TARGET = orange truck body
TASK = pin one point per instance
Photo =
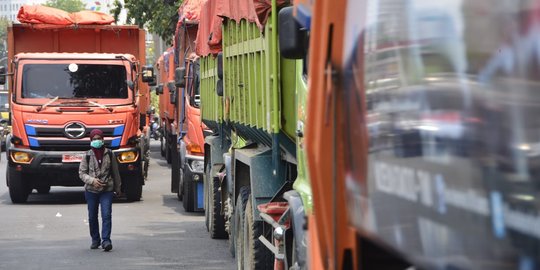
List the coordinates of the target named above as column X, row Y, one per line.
column 188, row 148
column 382, row 198
column 167, row 110
column 53, row 132
column 332, row 241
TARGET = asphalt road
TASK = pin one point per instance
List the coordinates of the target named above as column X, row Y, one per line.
column 51, row 231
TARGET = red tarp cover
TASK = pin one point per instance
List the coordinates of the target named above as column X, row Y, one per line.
column 190, row 10
column 91, row 17
column 209, row 34
column 36, row 14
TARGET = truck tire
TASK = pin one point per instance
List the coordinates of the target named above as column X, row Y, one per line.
column 180, row 191
column 207, row 176
column 18, row 187
column 175, row 174
column 161, row 146
column 256, row 254
column 133, row 187
column 168, row 149
column 43, row 190
column 239, row 216
column 215, row 218
column 188, row 200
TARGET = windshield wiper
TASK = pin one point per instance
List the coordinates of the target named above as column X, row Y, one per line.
column 47, row 104
column 100, row 105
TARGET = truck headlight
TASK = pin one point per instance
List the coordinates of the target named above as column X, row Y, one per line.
column 197, row 166
column 128, row 156
column 21, row 157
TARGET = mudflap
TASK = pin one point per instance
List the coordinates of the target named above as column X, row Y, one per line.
column 199, row 196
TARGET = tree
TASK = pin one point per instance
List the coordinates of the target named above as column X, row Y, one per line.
column 158, row 17
column 4, row 23
column 67, row 5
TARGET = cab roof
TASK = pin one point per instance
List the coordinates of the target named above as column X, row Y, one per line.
column 82, row 56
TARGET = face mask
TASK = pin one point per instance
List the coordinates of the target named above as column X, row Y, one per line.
column 96, row 143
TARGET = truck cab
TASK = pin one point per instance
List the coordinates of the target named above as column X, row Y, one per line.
column 59, row 94
column 56, row 102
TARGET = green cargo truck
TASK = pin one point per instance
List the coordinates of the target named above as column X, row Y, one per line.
column 253, row 100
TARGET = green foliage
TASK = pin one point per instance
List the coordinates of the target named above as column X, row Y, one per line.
column 67, row 5
column 158, row 17
column 116, row 10
column 154, row 101
column 4, row 23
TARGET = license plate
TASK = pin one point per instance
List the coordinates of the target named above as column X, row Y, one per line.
column 68, row 158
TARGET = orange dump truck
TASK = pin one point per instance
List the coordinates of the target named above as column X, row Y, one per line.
column 188, row 154
column 65, row 81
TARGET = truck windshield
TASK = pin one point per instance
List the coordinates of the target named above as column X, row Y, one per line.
column 74, row 81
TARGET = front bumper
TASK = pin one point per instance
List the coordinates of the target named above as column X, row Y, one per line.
column 195, row 173
column 53, row 159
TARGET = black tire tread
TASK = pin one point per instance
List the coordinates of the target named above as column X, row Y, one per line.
column 216, row 219
column 161, row 146
column 239, row 210
column 257, row 256
column 18, row 190
column 133, row 188
column 187, row 202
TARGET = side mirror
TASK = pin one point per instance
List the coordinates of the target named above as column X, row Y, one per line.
column 180, row 77
column 159, row 89
column 172, row 92
column 152, row 83
column 219, row 87
column 2, row 75
column 220, row 65
column 148, row 74
column 197, row 100
column 293, row 40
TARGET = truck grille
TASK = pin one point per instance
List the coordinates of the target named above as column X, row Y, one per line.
column 59, row 131
column 68, row 145
column 55, row 138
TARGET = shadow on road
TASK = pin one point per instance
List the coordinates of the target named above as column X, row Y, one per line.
column 158, row 245
column 155, row 155
column 172, row 202
column 65, row 196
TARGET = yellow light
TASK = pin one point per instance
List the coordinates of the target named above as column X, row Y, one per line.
column 194, row 148
column 129, row 156
column 21, row 157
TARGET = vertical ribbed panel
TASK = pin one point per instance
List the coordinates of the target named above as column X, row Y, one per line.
column 248, row 84
column 211, row 103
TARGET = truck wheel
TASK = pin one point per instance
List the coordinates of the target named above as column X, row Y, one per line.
column 215, row 218
column 256, row 255
column 180, row 190
column 161, row 146
column 232, row 220
column 188, row 200
column 133, row 187
column 206, row 198
column 43, row 190
column 239, row 215
column 175, row 174
column 168, row 150
column 18, row 188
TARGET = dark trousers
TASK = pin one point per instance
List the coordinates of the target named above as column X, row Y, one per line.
column 94, row 200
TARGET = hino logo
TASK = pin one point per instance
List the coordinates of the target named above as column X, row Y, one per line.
column 75, row 130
